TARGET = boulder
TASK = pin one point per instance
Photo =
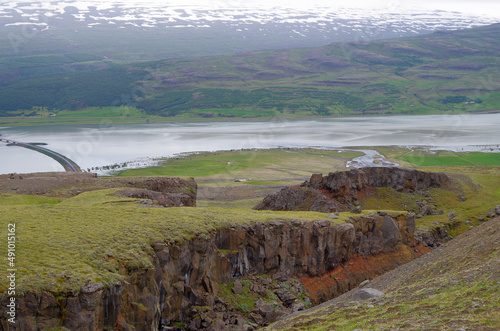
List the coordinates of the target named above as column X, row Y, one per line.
column 364, row 283
column 427, row 210
column 286, row 297
column 297, row 306
column 237, row 287
column 274, row 315
column 367, row 293
column 264, row 309
column 218, row 325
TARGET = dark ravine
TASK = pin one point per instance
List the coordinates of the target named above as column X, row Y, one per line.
column 190, row 273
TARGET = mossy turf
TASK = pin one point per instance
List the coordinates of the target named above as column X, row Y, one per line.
column 18, row 199
column 89, row 238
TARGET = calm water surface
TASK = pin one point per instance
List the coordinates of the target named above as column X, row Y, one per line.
column 94, row 145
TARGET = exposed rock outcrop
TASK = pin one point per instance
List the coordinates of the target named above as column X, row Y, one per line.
column 164, row 191
column 298, row 198
column 343, row 190
column 189, row 274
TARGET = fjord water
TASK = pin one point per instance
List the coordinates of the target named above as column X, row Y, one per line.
column 99, row 145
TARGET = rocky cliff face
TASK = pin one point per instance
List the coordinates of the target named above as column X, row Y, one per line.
column 340, row 191
column 189, row 274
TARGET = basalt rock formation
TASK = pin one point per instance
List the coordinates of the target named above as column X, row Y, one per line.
column 329, row 257
column 342, row 190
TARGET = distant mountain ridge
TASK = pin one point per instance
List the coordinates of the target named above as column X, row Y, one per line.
column 152, row 30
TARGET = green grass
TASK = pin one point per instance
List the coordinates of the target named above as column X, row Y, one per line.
column 60, row 247
column 259, row 165
column 421, row 160
column 237, row 204
column 96, row 198
column 486, row 159
column 104, row 112
column 244, row 301
column 91, row 115
column 447, row 158
column 19, row 199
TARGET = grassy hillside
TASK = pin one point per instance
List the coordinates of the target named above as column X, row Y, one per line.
column 441, row 72
column 446, row 71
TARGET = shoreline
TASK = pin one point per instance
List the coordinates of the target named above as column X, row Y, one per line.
column 109, row 122
column 148, row 162
column 367, row 160
column 430, row 132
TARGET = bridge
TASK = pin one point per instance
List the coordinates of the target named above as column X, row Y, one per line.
column 67, row 164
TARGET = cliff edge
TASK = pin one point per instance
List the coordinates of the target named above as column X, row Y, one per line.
column 343, row 190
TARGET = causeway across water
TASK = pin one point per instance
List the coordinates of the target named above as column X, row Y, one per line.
column 67, row 164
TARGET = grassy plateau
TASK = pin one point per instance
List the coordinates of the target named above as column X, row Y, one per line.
column 62, row 244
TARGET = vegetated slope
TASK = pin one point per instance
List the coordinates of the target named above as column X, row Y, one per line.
column 95, row 87
column 455, row 287
column 443, row 71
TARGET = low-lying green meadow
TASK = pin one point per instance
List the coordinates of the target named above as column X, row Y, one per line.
column 423, row 158
column 258, row 165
